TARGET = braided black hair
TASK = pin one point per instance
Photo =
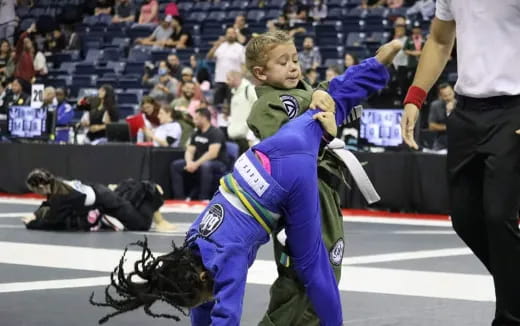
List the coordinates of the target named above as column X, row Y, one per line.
column 173, row 278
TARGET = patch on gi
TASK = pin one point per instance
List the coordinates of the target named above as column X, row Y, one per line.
column 290, row 105
column 212, row 220
column 336, row 253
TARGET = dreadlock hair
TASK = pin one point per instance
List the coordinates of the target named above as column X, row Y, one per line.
column 173, row 278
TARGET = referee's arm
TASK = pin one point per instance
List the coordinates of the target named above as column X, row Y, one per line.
column 433, row 60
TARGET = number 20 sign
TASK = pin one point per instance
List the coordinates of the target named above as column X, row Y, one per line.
column 37, row 96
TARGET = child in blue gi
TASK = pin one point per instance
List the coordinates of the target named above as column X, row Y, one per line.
column 277, row 177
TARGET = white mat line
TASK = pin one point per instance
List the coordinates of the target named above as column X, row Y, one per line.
column 11, row 215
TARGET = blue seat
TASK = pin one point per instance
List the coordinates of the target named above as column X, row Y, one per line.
column 136, row 68
column 93, row 55
column 126, row 83
column 85, row 69
column 112, row 54
column 185, row 6
column 160, row 55
column 126, row 110
column 139, row 55
column 110, row 81
column 357, row 13
column 255, row 15
column 127, row 98
column 137, row 31
column 117, row 66
column 202, row 6
column 238, row 5
column 355, row 39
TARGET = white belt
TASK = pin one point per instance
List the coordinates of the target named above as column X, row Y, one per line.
column 356, row 170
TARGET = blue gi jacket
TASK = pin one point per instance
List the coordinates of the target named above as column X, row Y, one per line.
column 290, row 190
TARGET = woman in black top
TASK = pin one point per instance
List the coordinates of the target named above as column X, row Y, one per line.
column 131, row 205
column 5, row 55
column 102, row 110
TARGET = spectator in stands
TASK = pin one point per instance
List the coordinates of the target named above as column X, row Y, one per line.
column 413, row 47
column 5, row 55
column 302, row 16
column 180, row 37
column 16, row 95
column 3, row 93
column 350, row 60
column 104, row 7
column 49, row 98
column 55, row 41
column 440, row 109
column 205, row 155
column 332, row 71
column 310, row 57
column 40, row 61
column 394, row 3
column 229, row 55
column 103, row 110
column 124, row 12
column 318, row 10
column 200, row 69
column 240, row 26
column 366, row 4
column 150, row 109
column 425, row 7
column 186, row 101
column 187, row 76
column 24, row 58
column 160, row 36
column 311, row 77
column 291, row 8
column 400, row 63
column 168, row 133
column 242, row 100
column 64, row 112
column 171, row 9
column 8, row 19
column 175, row 67
column 282, row 24
column 164, row 86
column 149, row 12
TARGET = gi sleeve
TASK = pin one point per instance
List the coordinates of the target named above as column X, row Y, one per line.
column 201, row 315
column 229, row 288
column 306, row 246
column 356, row 84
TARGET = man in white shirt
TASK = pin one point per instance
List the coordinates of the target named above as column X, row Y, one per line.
column 244, row 96
column 483, row 149
column 229, row 55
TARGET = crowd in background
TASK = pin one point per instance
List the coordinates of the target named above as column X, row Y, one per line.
column 179, row 95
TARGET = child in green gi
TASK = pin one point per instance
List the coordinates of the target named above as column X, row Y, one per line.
column 280, row 99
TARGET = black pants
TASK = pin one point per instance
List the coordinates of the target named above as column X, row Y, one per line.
column 111, row 204
column 207, row 172
column 484, row 179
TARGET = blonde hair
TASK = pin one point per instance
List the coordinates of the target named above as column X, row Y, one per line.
column 257, row 49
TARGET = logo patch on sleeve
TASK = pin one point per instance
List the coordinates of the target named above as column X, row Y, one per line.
column 212, row 220
column 290, row 105
column 336, row 253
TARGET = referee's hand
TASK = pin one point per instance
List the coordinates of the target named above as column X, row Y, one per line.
column 408, row 121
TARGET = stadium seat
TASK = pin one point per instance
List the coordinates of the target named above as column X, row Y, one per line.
column 255, row 15
column 139, row 55
column 85, row 69
column 126, row 110
column 160, row 55
column 127, row 83
column 110, row 81
column 201, row 6
column 136, row 68
column 127, row 98
column 93, row 55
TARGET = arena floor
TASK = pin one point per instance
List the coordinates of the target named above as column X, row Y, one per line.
column 395, row 272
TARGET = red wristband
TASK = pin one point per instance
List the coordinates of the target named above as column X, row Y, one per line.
column 415, row 95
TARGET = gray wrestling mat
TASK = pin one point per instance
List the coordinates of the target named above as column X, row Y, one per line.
column 393, row 274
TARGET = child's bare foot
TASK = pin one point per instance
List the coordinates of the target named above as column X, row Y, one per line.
column 387, row 52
